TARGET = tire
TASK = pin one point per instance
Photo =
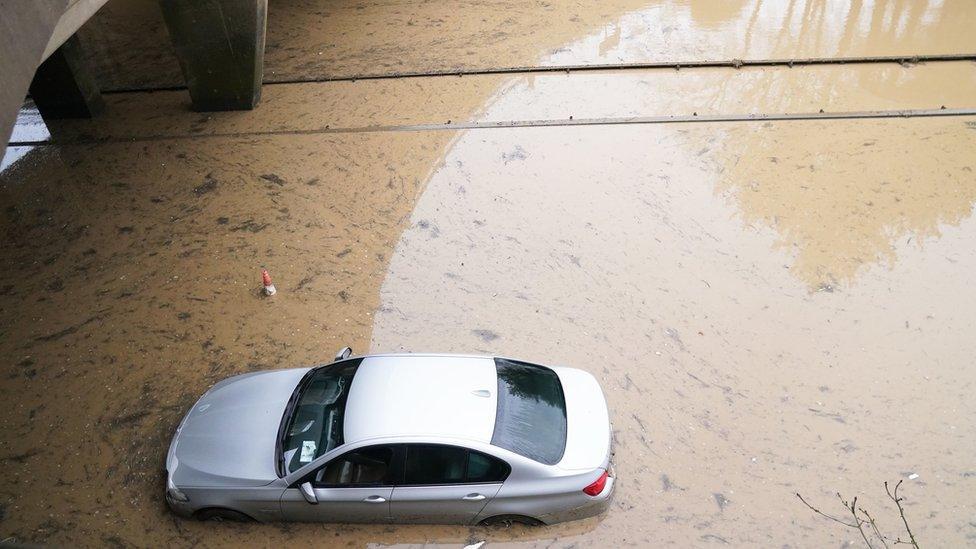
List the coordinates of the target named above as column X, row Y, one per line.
column 222, row 515
column 508, row 520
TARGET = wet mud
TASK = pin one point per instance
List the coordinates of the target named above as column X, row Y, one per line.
column 771, row 307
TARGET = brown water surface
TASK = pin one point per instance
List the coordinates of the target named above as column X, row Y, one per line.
column 132, row 284
column 771, row 307
column 766, row 315
column 314, row 39
column 489, row 99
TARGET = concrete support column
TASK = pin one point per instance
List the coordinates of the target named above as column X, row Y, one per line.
column 64, row 86
column 220, row 45
column 25, row 29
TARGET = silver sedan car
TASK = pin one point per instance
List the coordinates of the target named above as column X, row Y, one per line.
column 396, row 439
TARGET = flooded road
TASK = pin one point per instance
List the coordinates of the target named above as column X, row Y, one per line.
column 764, row 314
column 771, row 306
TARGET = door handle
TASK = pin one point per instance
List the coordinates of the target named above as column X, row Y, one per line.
column 474, row 497
column 375, row 499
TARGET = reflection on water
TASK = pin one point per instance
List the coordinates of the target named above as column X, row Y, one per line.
column 711, row 15
column 29, row 128
column 705, row 30
column 842, row 200
column 547, row 96
column 333, row 38
column 12, row 155
column 629, row 252
column 839, row 199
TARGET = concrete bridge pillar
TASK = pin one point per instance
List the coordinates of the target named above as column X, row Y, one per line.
column 220, row 46
column 64, row 86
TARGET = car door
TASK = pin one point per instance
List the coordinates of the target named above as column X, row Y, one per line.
column 444, row 484
column 354, row 487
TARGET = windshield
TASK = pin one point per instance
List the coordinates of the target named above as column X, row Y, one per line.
column 531, row 416
column 316, row 410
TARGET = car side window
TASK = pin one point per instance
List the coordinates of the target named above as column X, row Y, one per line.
column 439, row 464
column 363, row 467
column 434, row 465
column 483, row 468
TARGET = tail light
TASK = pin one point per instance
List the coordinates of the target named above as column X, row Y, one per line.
column 596, row 488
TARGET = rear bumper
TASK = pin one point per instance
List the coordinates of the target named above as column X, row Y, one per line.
column 596, row 505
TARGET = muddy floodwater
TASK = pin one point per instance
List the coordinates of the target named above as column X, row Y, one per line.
column 772, row 306
column 314, row 39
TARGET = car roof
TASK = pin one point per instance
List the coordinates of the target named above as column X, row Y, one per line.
column 444, row 396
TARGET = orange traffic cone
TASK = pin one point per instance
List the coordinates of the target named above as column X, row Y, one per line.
column 269, row 288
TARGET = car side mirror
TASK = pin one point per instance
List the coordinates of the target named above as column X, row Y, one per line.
column 343, row 354
column 308, row 492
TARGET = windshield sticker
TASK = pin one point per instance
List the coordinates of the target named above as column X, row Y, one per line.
column 308, row 451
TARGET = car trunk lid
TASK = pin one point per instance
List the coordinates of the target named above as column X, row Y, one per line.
column 588, row 421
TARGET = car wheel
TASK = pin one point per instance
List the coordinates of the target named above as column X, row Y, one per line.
column 223, row 515
column 508, row 520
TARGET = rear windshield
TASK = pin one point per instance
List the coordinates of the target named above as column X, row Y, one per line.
column 314, row 425
column 531, row 415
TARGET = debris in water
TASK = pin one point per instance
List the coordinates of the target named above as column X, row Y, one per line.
column 721, row 501
column 273, row 178
column 209, row 185
column 485, row 335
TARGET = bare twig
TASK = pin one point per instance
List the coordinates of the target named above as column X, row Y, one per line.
column 874, row 527
column 857, row 520
column 825, row 515
column 860, row 521
column 901, row 510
